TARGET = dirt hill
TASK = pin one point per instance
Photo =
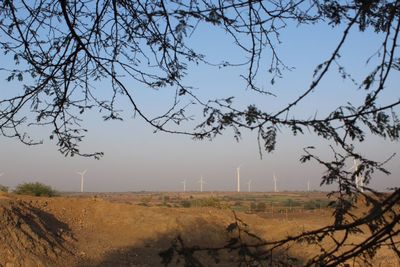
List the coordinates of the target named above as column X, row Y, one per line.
column 31, row 237
column 67, row 231
column 92, row 231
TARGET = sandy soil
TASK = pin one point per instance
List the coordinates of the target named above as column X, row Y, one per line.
column 92, row 231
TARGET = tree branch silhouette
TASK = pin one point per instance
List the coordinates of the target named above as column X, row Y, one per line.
column 62, row 50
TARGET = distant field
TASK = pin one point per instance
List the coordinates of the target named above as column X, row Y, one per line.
column 257, row 202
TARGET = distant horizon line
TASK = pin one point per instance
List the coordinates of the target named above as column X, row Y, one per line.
column 197, row 191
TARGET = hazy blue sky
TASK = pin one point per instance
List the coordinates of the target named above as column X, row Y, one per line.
column 136, row 159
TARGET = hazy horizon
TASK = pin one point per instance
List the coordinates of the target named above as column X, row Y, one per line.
column 136, row 159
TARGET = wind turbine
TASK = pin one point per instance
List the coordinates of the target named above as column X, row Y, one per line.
column 201, row 181
column 275, row 188
column 82, row 174
column 238, row 178
column 249, row 185
column 308, row 186
column 358, row 179
column 184, row 185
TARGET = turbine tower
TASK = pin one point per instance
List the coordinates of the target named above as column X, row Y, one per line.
column 238, row 178
column 184, row 185
column 308, row 186
column 249, row 185
column 275, row 188
column 359, row 181
column 201, row 181
column 82, row 174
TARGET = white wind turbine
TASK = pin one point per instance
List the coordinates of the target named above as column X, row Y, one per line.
column 359, row 181
column 201, row 181
column 249, row 185
column 275, row 188
column 238, row 177
column 184, row 185
column 308, row 186
column 82, row 174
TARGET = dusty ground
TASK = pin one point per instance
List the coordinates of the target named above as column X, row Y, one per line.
column 95, row 231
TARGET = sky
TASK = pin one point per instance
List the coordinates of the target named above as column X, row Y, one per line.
column 137, row 159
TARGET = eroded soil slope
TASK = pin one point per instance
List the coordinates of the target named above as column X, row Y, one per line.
column 91, row 231
column 31, row 237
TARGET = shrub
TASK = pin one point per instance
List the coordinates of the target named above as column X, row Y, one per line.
column 237, row 203
column 310, row 205
column 35, row 189
column 261, row 206
column 145, row 200
column 253, row 206
column 165, row 200
column 241, row 208
column 291, row 203
column 186, row 203
column 3, row 188
column 317, row 203
column 207, row 202
column 323, row 203
column 258, row 207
